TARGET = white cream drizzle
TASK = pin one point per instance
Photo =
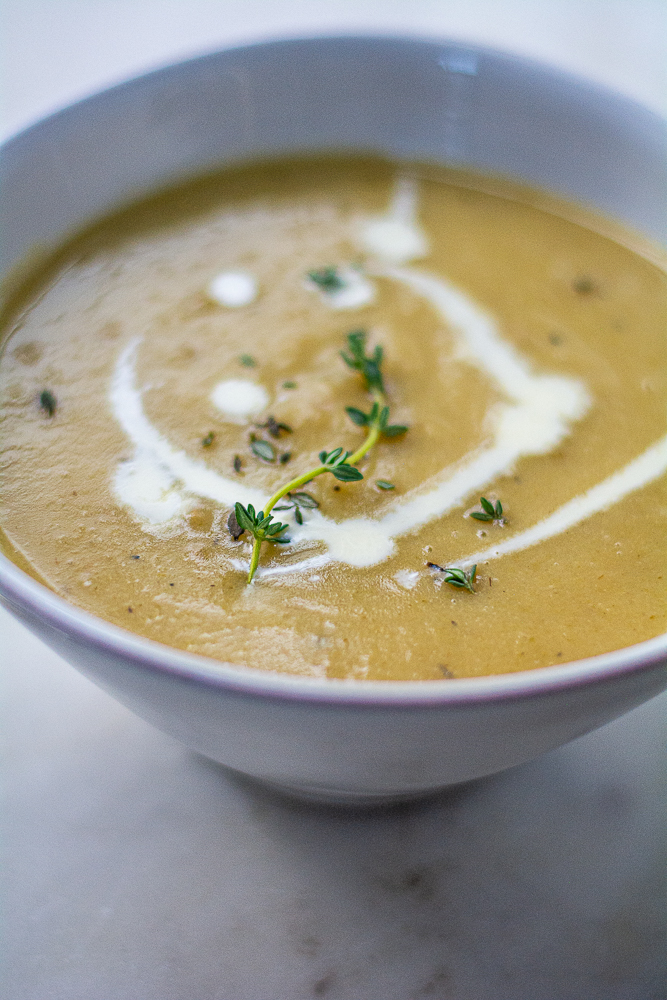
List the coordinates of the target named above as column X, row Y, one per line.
column 239, row 398
column 536, row 414
column 407, row 578
column 640, row 472
column 233, row 289
column 162, row 467
column 396, row 236
column 149, row 489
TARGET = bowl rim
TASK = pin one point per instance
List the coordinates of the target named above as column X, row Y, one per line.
column 373, row 37
column 29, row 598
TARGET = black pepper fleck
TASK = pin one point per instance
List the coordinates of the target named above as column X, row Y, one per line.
column 233, row 526
column 584, row 285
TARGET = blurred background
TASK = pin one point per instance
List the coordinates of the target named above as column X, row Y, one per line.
column 55, row 51
column 137, row 871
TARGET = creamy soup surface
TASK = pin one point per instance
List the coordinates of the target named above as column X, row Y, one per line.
column 185, row 355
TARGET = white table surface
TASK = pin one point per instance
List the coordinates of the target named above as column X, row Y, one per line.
column 136, row 870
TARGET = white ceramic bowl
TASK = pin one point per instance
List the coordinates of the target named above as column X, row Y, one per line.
column 435, row 101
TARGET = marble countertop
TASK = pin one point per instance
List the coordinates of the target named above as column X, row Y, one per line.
column 136, row 870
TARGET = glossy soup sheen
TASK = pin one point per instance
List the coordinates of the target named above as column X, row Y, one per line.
column 524, row 350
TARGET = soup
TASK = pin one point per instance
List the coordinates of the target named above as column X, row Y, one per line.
column 185, row 357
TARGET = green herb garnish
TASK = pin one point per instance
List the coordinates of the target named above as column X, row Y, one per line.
column 47, row 402
column 296, row 501
column 275, row 428
column 370, row 368
column 263, row 449
column 300, row 499
column 289, row 385
column 248, row 361
column 238, row 464
column 382, row 484
column 456, row 576
column 262, row 527
column 368, row 365
column 207, row 441
column 341, row 464
column 327, row 279
column 489, row 512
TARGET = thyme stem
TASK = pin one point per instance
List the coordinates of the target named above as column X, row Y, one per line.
column 254, row 559
column 374, row 433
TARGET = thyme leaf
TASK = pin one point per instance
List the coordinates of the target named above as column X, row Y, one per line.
column 263, row 450
column 327, row 279
column 297, row 500
column 347, row 473
column 489, row 512
column 357, row 417
column 48, row 402
column 394, row 430
column 275, row 427
column 303, row 499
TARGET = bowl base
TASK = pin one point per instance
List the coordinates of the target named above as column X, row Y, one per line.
column 345, row 798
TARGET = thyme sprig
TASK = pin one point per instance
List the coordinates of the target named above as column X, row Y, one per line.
column 340, row 463
column 260, row 525
column 457, row 577
column 327, row 279
column 370, row 368
column 368, row 365
column 489, row 511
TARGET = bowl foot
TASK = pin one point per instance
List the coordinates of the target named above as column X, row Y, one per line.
column 345, row 798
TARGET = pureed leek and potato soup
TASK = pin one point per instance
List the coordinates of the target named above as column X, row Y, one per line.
column 185, row 357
